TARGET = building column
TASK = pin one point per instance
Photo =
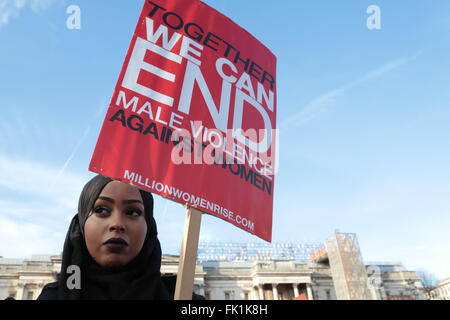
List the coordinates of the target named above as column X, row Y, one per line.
column 201, row 290
column 295, row 286
column 309, row 291
column 40, row 286
column 20, row 289
column 275, row 291
column 261, row 292
column 254, row 293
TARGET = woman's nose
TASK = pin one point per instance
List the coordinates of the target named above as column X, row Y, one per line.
column 117, row 224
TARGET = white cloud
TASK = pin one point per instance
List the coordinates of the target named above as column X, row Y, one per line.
column 321, row 103
column 11, row 8
column 34, row 217
column 28, row 177
column 21, row 240
column 38, row 5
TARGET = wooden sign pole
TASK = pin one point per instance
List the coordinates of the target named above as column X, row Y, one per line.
column 188, row 255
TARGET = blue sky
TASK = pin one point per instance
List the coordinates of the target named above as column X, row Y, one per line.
column 363, row 117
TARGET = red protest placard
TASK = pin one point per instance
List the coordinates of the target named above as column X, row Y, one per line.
column 193, row 115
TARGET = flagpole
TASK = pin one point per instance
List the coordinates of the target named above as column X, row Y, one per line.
column 188, row 255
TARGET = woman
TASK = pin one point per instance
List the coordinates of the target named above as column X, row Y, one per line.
column 111, row 250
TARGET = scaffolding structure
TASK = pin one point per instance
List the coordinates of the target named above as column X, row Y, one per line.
column 231, row 251
column 347, row 267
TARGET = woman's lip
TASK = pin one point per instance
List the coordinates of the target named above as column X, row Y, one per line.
column 115, row 247
column 116, row 244
column 116, row 241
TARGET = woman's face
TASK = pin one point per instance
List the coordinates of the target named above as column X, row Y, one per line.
column 115, row 229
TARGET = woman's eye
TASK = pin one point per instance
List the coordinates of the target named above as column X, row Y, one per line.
column 134, row 212
column 101, row 210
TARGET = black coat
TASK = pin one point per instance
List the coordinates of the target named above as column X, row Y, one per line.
column 50, row 290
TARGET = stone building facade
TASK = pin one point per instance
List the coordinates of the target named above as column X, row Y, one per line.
column 23, row 279
column 441, row 291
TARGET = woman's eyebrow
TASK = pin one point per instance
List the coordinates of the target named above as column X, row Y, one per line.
column 124, row 201
column 106, row 199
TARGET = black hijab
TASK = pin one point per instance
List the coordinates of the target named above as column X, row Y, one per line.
column 139, row 279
